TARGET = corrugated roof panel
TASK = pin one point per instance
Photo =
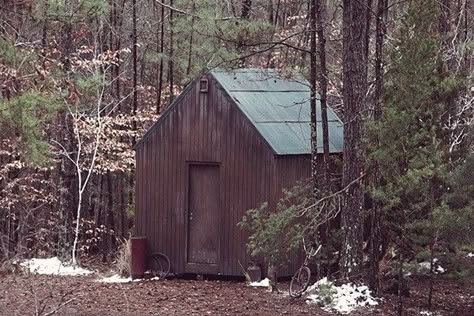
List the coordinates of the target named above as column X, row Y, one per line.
column 294, row 138
column 273, row 106
column 278, row 106
column 258, row 80
column 279, row 109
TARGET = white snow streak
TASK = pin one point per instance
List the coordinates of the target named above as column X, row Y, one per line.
column 116, row 278
column 53, row 266
column 264, row 283
column 428, row 313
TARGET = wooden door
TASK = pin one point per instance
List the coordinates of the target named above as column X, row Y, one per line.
column 203, row 215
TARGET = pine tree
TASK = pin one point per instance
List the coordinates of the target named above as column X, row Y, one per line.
column 408, row 143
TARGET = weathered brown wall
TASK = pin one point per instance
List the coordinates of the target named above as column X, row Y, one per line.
column 205, row 127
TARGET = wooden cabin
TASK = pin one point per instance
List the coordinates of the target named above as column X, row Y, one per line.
column 230, row 141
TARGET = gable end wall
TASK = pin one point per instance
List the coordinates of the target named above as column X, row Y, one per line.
column 202, row 127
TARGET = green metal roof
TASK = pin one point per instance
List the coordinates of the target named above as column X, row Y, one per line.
column 279, row 108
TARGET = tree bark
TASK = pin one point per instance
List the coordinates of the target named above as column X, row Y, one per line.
column 190, row 52
column 323, row 87
column 354, row 90
column 400, row 285
column 67, row 200
column 44, row 33
column 170, row 62
column 368, row 22
column 313, row 84
column 375, row 242
column 161, row 51
column 134, row 60
column 323, row 84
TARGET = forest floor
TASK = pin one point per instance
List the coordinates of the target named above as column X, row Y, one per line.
column 28, row 294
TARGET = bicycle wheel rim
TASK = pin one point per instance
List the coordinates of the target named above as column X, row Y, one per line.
column 155, row 266
column 162, row 262
column 300, row 282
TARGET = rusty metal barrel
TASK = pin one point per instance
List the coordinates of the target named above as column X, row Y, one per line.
column 139, row 250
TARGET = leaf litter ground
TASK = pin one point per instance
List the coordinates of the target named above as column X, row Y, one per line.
column 21, row 294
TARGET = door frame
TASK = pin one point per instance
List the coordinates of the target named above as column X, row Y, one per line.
column 201, row 268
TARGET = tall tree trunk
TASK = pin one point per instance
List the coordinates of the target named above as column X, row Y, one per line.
column 368, row 22
column 170, row 62
column 120, row 16
column 44, row 33
column 190, row 52
column 115, row 46
column 244, row 15
column 323, row 87
column 375, row 216
column 67, row 201
column 432, row 271
column 270, row 12
column 161, row 51
column 400, row 285
column 313, row 84
column 354, row 90
column 134, row 60
column 269, row 63
column 277, row 12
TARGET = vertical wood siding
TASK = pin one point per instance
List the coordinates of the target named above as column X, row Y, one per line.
column 206, row 127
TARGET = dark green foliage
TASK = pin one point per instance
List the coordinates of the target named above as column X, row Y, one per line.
column 276, row 233
column 25, row 107
column 457, row 219
column 413, row 150
column 25, row 116
column 209, row 41
column 71, row 12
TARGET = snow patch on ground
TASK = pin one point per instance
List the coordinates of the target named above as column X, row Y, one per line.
column 116, row 278
column 264, row 283
column 428, row 313
column 343, row 299
column 53, row 266
column 425, row 267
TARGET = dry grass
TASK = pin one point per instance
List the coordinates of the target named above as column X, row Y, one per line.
column 9, row 266
column 124, row 258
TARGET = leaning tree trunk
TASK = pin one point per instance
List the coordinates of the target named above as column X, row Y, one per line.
column 354, row 90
